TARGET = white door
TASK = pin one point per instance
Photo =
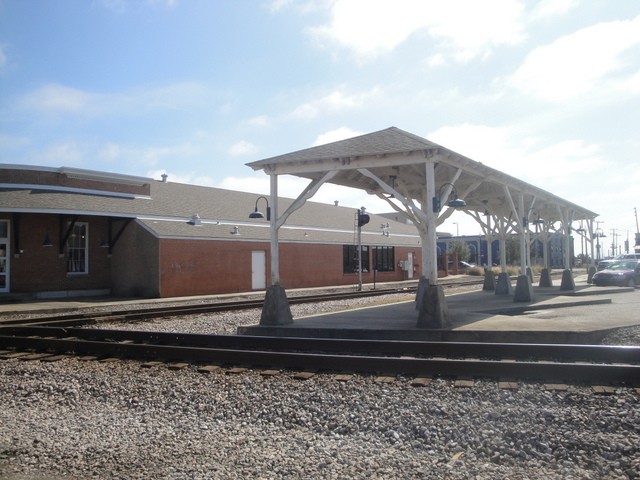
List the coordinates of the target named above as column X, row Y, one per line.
column 258, row 270
column 410, row 265
column 4, row 255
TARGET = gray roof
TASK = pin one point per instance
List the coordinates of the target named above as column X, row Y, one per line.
column 385, row 142
column 397, row 157
column 169, row 207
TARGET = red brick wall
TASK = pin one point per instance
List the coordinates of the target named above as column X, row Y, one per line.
column 37, row 268
column 142, row 265
column 134, row 262
column 201, row 267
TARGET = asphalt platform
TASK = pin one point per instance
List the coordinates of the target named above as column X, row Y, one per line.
column 582, row 316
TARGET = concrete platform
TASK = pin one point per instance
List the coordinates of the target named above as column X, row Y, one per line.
column 583, row 316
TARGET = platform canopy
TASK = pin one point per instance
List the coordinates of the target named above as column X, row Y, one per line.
column 391, row 160
column 427, row 182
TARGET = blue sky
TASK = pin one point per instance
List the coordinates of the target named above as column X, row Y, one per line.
column 548, row 91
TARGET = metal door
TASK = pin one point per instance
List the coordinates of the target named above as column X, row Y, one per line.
column 258, row 270
column 4, row 255
column 410, row 265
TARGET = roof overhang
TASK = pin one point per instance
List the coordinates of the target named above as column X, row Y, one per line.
column 393, row 159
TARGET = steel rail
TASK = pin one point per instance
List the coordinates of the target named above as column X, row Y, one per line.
column 518, row 351
column 536, row 370
column 188, row 309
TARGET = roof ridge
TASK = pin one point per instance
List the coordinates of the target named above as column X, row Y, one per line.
column 387, row 141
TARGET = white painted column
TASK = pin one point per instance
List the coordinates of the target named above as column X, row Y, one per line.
column 430, row 245
column 275, row 250
column 523, row 232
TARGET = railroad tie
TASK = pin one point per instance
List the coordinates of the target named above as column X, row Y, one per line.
column 236, row 370
column 603, row 390
column 55, row 358
column 384, row 379
column 464, row 383
column 508, row 385
column 556, row 387
column 420, row 381
column 9, row 356
column 303, row 375
column 209, row 369
column 151, row 364
column 177, row 366
column 35, row 356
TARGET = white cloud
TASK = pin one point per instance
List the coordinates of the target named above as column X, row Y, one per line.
column 470, row 29
column 3, row 56
column 549, row 8
column 526, row 159
column 54, row 99
column 291, row 187
column 466, row 28
column 574, row 64
column 242, row 148
column 259, row 121
column 335, row 101
column 62, row 154
column 335, row 135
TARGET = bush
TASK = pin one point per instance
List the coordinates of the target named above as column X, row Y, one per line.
column 476, row 271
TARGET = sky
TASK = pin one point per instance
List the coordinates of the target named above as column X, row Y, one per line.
column 547, row 91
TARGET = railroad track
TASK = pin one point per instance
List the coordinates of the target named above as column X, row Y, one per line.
column 595, row 364
column 133, row 314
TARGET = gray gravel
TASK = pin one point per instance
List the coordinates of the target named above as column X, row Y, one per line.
column 78, row 420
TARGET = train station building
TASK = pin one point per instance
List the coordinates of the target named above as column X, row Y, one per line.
column 68, row 232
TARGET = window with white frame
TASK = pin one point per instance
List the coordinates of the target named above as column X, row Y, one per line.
column 77, row 252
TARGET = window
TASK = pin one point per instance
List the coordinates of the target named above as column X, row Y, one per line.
column 77, row 249
column 384, row 259
column 350, row 258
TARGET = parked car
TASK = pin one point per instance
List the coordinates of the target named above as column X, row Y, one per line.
column 461, row 265
column 623, row 272
column 602, row 264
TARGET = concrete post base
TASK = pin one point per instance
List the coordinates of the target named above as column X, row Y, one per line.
column 423, row 283
column 275, row 310
column 524, row 289
column 433, row 312
column 567, row 281
column 489, row 280
column 545, row 278
column 503, row 287
column 590, row 274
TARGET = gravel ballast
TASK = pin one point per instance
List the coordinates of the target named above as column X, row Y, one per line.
column 75, row 419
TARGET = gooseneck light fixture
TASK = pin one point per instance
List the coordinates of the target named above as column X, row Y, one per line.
column 457, row 202
column 257, row 214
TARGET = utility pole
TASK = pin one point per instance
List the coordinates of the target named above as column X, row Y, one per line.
column 363, row 219
column 599, row 234
column 637, row 246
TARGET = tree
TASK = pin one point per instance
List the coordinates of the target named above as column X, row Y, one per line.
column 459, row 248
column 512, row 247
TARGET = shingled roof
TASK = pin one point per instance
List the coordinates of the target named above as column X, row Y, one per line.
column 397, row 157
column 166, row 209
column 384, row 142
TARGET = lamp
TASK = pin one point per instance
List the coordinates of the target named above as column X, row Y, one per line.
column 257, row 214
column 457, row 202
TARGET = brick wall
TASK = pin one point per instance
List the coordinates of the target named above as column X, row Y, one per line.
column 36, row 268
